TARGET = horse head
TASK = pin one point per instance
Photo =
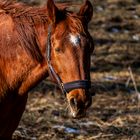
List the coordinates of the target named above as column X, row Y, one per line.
column 69, row 48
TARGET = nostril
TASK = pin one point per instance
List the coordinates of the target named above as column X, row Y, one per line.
column 73, row 102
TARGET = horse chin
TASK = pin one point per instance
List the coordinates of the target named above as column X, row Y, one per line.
column 76, row 114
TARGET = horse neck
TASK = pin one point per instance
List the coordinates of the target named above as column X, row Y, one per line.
column 42, row 31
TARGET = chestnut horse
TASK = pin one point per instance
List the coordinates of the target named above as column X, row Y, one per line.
column 39, row 42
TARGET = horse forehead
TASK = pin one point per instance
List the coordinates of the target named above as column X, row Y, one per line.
column 74, row 39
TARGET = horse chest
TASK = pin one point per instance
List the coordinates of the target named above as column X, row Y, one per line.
column 12, row 105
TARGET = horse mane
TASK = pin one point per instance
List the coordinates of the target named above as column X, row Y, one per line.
column 25, row 19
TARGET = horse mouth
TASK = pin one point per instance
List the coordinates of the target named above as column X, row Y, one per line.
column 76, row 114
column 78, row 108
column 75, row 111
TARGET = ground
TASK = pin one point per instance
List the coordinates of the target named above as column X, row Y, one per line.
column 115, row 112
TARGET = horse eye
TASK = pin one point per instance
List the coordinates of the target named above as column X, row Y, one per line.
column 57, row 49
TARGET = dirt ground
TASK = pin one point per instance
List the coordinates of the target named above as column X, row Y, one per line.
column 115, row 74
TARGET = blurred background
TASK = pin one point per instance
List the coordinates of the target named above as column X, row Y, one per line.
column 115, row 74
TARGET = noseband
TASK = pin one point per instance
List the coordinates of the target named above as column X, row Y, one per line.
column 65, row 87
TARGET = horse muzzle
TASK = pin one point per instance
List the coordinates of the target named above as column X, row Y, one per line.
column 79, row 103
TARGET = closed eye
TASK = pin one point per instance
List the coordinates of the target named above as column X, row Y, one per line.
column 58, row 49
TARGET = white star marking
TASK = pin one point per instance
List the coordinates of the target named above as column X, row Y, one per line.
column 74, row 39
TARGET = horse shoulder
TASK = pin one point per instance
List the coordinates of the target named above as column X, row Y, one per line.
column 6, row 29
column 6, row 24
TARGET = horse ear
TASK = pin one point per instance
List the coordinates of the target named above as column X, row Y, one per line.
column 52, row 11
column 86, row 11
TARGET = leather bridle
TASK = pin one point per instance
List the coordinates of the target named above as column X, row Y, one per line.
column 65, row 87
